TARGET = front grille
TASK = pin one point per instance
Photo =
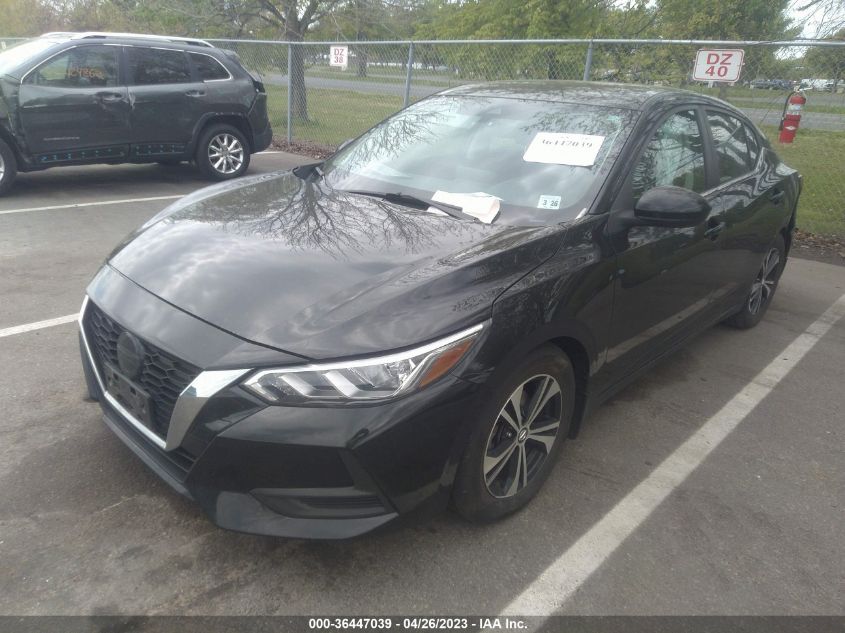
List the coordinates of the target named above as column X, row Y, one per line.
column 163, row 376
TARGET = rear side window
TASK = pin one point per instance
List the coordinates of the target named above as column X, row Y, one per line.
column 82, row 67
column 736, row 158
column 150, row 66
column 208, row 68
column 673, row 157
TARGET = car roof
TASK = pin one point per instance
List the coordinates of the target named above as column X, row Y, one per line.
column 629, row 96
column 136, row 37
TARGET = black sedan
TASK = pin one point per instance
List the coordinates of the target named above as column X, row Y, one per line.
column 425, row 317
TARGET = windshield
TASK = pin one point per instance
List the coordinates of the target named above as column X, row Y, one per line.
column 543, row 161
column 14, row 57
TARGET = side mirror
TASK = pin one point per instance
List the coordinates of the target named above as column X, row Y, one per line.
column 671, row 206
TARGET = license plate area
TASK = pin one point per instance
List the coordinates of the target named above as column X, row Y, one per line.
column 129, row 395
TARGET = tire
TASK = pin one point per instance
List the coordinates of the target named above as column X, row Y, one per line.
column 762, row 288
column 8, row 167
column 486, row 496
column 212, row 140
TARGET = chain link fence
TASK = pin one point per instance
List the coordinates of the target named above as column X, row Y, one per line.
column 7, row 42
column 313, row 101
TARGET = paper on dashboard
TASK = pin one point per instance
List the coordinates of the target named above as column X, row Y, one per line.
column 577, row 150
column 480, row 205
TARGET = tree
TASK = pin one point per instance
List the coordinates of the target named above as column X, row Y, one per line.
column 506, row 19
column 362, row 20
column 828, row 15
column 22, row 18
column 728, row 20
column 292, row 19
column 828, row 62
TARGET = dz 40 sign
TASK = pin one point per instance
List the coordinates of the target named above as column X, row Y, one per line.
column 718, row 65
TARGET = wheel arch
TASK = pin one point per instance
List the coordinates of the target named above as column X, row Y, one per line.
column 9, row 139
column 578, row 357
column 237, row 121
column 788, row 231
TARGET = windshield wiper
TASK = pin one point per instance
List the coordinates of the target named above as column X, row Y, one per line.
column 413, row 201
column 306, row 171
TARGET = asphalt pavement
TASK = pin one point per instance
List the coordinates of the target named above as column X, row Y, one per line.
column 756, row 528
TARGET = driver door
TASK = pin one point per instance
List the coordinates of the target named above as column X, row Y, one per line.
column 75, row 100
column 665, row 277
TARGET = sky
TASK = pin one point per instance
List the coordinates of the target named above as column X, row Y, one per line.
column 817, row 21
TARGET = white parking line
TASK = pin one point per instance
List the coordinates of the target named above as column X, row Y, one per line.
column 94, row 204
column 38, row 325
column 547, row 595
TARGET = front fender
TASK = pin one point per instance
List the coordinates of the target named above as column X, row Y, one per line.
column 566, row 301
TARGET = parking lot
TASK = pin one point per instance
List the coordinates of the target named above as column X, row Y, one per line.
column 714, row 485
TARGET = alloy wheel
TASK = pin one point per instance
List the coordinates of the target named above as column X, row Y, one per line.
column 226, row 153
column 522, row 436
column 2, row 168
column 764, row 285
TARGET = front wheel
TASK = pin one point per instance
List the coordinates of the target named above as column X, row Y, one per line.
column 222, row 153
column 8, row 167
column 519, row 433
column 763, row 288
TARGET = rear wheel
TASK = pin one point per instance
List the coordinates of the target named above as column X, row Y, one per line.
column 519, row 434
column 8, row 167
column 763, row 288
column 222, row 152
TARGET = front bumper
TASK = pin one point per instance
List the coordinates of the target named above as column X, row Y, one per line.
column 307, row 472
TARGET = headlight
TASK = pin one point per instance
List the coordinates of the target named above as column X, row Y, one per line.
column 365, row 379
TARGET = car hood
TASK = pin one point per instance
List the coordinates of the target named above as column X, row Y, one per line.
column 297, row 266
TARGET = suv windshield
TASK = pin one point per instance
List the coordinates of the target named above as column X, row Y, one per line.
column 544, row 161
column 14, row 57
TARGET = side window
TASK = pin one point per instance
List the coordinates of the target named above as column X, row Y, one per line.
column 208, row 68
column 81, row 67
column 149, row 66
column 731, row 146
column 674, row 156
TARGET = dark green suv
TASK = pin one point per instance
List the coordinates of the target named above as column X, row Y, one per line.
column 84, row 98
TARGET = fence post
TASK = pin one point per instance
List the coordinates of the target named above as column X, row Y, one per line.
column 290, row 92
column 589, row 62
column 408, row 76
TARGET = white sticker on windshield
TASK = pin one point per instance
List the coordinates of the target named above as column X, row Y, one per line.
column 548, row 202
column 578, row 150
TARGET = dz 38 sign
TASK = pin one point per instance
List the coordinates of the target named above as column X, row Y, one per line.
column 718, row 65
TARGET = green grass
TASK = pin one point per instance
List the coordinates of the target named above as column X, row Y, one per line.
column 777, row 106
column 818, row 155
column 382, row 75
column 333, row 115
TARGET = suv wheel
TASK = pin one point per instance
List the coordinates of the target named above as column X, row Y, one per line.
column 222, row 152
column 763, row 288
column 8, row 167
column 519, row 434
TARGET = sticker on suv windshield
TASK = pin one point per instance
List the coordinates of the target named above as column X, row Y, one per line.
column 548, row 202
column 578, row 150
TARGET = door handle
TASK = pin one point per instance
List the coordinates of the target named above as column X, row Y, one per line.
column 195, row 93
column 777, row 196
column 714, row 230
column 109, row 97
